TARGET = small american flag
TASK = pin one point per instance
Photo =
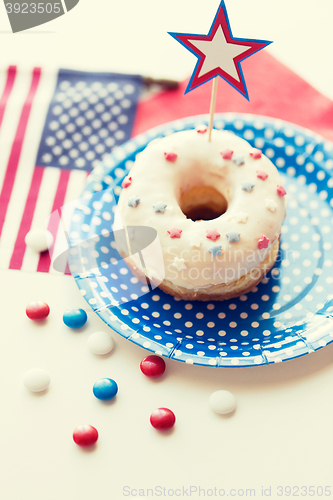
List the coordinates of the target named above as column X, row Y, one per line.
column 54, row 129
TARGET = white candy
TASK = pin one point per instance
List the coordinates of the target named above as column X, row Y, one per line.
column 222, row 402
column 36, row 380
column 39, row 239
column 100, row 343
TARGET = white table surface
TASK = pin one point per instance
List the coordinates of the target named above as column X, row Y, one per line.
column 281, row 433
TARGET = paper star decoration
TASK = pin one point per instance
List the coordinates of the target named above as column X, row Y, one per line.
column 271, row 205
column 233, row 236
column 242, row 217
column 175, row 233
column 215, row 250
column 160, row 206
column 179, row 264
column 219, row 53
column 212, row 234
column 134, row 201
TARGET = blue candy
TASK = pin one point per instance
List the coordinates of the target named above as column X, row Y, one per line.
column 105, row 389
column 75, row 318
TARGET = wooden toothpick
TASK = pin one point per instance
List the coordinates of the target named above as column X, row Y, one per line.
column 212, row 108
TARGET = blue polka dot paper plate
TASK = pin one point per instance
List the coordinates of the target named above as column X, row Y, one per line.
column 289, row 314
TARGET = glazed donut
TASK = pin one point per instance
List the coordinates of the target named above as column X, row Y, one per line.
column 217, row 206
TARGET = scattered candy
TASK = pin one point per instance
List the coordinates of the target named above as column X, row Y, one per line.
column 39, row 239
column 105, row 389
column 179, row 264
column 162, row 419
column 160, row 206
column 256, row 154
column 215, row 250
column 175, row 233
column 170, row 156
column 222, row 402
column 126, row 182
column 233, row 236
column 36, row 380
column 75, row 318
column 100, row 343
column 212, row 234
column 262, row 175
column 37, row 310
column 281, row 191
column 152, row 366
column 227, row 154
column 263, row 242
column 85, row 435
column 133, row 201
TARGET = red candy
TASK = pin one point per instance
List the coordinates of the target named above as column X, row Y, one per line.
column 175, row 233
column 152, row 366
column 262, row 175
column 126, row 182
column 256, row 154
column 85, row 435
column 202, row 130
column 281, row 191
column 162, row 419
column 170, row 156
column 38, row 310
column 263, row 242
column 227, row 154
column 212, row 234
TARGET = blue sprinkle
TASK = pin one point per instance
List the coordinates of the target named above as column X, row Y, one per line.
column 233, row 236
column 239, row 160
column 160, row 206
column 248, row 186
column 215, row 250
column 134, row 201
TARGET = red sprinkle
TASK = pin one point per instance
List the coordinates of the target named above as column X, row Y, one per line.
column 175, row 233
column 202, row 130
column 162, row 419
column 227, row 154
column 126, row 182
column 212, row 234
column 85, row 435
column 170, row 156
column 281, row 191
column 256, row 154
column 152, row 366
column 263, row 242
column 262, row 175
column 38, row 310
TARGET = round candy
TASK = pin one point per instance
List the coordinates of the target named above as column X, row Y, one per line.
column 152, row 366
column 39, row 239
column 222, row 402
column 100, row 343
column 105, row 389
column 75, row 318
column 36, row 380
column 85, row 435
column 162, row 419
column 37, row 310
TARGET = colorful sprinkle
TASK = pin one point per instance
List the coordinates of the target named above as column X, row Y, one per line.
column 170, row 156
column 133, row 202
column 242, row 217
column 262, row 175
column 215, row 250
column 239, row 160
column 227, row 154
column 271, row 205
column 281, row 191
column 212, row 234
column 175, row 233
column 202, row 129
column 196, row 243
column 126, row 182
column 233, row 236
column 160, row 206
column 263, row 242
column 256, row 154
column 179, row 264
column 247, row 186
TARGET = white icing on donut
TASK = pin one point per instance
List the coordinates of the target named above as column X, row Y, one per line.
column 255, row 209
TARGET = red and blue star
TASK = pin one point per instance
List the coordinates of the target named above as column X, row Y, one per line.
column 219, row 53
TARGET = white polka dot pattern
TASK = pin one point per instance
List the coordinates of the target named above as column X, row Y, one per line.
column 290, row 313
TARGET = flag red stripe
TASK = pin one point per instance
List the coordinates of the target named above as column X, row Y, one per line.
column 15, row 153
column 45, row 258
column 29, row 209
column 11, row 73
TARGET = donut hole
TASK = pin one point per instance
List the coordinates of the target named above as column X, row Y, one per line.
column 203, row 203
